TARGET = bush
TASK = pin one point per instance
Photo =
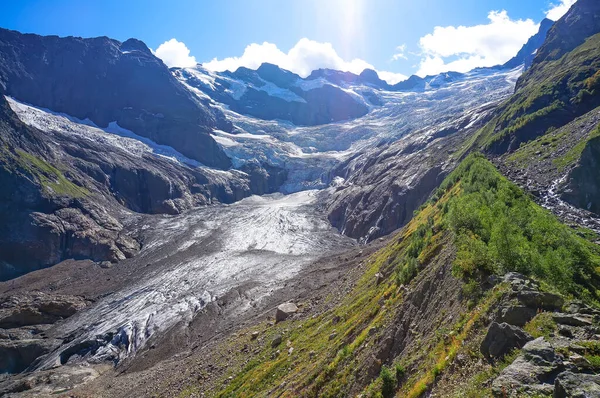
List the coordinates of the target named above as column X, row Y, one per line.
column 408, row 271
column 388, row 382
column 400, row 371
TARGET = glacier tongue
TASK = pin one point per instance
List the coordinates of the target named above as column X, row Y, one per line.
column 201, row 255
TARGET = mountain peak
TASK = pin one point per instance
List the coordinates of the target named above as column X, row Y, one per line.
column 527, row 53
column 135, row 45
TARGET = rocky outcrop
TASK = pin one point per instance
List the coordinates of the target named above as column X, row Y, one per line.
column 554, row 365
column 583, row 182
column 577, row 385
column 105, row 81
column 65, row 197
column 382, row 187
column 529, row 50
column 37, row 308
column 23, row 321
column 16, row 356
column 502, row 338
column 533, row 372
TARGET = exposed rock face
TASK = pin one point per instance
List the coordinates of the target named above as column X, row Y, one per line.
column 583, row 183
column 579, row 23
column 16, row 356
column 517, row 315
column 383, row 187
column 533, row 372
column 23, row 320
column 502, row 338
column 548, row 365
column 36, row 309
column 577, row 385
column 105, row 81
column 62, row 196
column 526, row 291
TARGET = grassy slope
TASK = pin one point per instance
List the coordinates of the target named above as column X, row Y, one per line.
column 550, row 146
column 491, row 225
column 549, row 95
column 49, row 177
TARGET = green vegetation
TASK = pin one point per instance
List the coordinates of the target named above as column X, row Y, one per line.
column 550, row 94
column 49, row 177
column 388, row 382
column 498, row 228
column 541, row 325
column 543, row 146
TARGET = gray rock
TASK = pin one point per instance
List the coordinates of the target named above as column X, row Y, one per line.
column 577, row 385
column 531, row 373
column 540, row 352
column 542, row 300
column 573, row 319
column 284, row 311
column 277, row 339
column 579, row 361
column 523, row 377
column 503, row 338
column 517, row 315
column 37, row 308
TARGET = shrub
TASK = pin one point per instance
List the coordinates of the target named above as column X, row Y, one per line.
column 400, row 371
column 388, row 382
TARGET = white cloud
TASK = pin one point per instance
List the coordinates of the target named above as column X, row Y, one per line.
column 175, row 54
column 306, row 56
column 391, row 77
column 556, row 11
column 400, row 53
column 463, row 48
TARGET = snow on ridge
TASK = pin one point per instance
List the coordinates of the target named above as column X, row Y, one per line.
column 113, row 135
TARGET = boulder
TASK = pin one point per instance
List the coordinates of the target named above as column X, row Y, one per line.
column 501, row 338
column 276, row 340
column 517, row 315
column 284, row 311
column 577, row 385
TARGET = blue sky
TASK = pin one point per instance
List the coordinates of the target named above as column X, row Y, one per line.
column 398, row 37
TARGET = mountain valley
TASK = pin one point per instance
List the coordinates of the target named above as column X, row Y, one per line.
column 190, row 233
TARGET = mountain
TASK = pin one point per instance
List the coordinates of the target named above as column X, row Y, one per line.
column 272, row 93
column 561, row 84
column 528, row 52
column 69, row 189
column 106, row 81
column 381, row 259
